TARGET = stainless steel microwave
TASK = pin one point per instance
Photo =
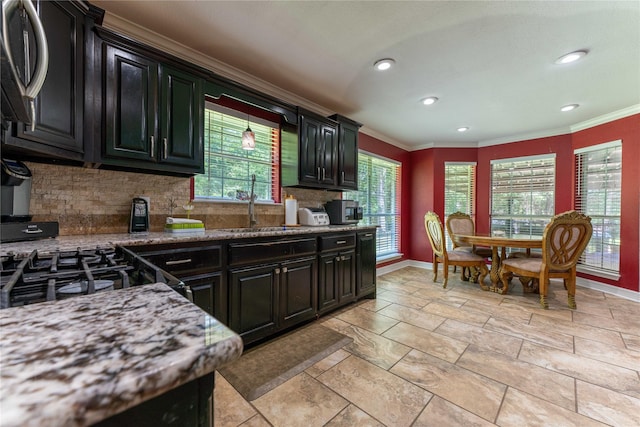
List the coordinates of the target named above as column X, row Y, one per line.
column 344, row 211
column 21, row 82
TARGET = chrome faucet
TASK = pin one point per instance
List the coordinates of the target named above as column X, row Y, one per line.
column 252, row 204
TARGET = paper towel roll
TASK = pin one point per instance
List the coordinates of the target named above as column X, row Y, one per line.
column 290, row 211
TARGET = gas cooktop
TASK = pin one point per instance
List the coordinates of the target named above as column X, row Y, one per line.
column 62, row 275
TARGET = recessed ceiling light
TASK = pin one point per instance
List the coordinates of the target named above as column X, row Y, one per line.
column 569, row 107
column 384, row 64
column 463, row 129
column 571, row 57
column 430, row 100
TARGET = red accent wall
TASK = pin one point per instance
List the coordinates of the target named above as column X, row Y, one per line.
column 427, row 179
column 628, row 130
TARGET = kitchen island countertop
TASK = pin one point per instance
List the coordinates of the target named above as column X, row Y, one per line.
column 77, row 361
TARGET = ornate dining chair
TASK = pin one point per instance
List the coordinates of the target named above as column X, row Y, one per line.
column 435, row 232
column 462, row 223
column 563, row 241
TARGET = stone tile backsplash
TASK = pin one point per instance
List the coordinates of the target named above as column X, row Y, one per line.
column 96, row 201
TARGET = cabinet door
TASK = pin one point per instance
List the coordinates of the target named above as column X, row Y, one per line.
column 348, row 157
column 298, row 291
column 347, row 276
column 366, row 263
column 328, row 155
column 59, row 106
column 209, row 294
column 310, row 150
column 131, row 101
column 182, row 106
column 252, row 302
column 328, row 282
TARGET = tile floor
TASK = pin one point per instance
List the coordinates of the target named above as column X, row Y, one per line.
column 426, row 356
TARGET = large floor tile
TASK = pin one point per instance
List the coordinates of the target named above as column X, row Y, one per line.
column 444, row 310
column 483, row 338
column 527, row 377
column 229, row 407
column 411, row 301
column 438, row 345
column 352, row 416
column 413, row 317
column 567, row 327
column 386, row 397
column 605, row 353
column 632, row 342
column 605, row 323
column 521, row 409
column 608, row 406
column 473, row 392
column 374, row 348
column 506, row 311
column 539, row 334
column 439, row 413
column 301, row 401
column 584, row 368
column 327, row 363
column 369, row 320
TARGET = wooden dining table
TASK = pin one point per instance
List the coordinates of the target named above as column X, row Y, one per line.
column 498, row 246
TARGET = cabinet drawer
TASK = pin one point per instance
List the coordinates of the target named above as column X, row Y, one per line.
column 337, row 242
column 178, row 260
column 240, row 253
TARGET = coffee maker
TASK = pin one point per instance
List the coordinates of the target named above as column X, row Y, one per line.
column 15, row 192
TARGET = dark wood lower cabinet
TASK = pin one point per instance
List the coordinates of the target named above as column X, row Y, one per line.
column 298, row 291
column 261, row 287
column 252, row 301
column 337, row 279
column 366, row 264
column 209, row 294
column 268, row 298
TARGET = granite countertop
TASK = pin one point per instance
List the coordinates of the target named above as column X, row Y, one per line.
column 77, row 361
column 96, row 241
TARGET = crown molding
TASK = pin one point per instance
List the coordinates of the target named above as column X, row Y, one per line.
column 525, row 137
column 606, row 118
column 384, row 138
column 158, row 41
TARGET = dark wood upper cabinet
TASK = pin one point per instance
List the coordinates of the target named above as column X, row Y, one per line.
column 347, row 152
column 320, row 153
column 152, row 113
column 61, row 110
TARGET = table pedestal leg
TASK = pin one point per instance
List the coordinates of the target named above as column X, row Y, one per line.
column 495, row 268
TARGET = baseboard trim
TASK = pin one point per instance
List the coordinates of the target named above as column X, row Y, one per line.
column 585, row 283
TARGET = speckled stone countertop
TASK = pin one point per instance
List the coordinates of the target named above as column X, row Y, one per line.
column 77, row 361
column 72, row 243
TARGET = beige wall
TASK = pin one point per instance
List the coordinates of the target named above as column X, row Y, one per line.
column 94, row 201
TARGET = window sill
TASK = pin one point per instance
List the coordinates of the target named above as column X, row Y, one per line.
column 597, row 273
column 388, row 257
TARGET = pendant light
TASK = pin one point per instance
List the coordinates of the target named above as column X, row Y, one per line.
column 248, row 138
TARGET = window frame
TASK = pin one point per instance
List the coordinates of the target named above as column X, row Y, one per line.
column 252, row 117
column 534, row 221
column 365, row 180
column 470, row 197
column 599, row 220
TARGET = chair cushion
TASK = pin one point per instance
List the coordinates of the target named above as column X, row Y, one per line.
column 463, row 256
column 529, row 264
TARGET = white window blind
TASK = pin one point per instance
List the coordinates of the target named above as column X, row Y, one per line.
column 379, row 195
column 598, row 189
column 522, row 195
column 228, row 167
column 459, row 190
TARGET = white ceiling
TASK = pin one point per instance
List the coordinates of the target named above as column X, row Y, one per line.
column 491, row 63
